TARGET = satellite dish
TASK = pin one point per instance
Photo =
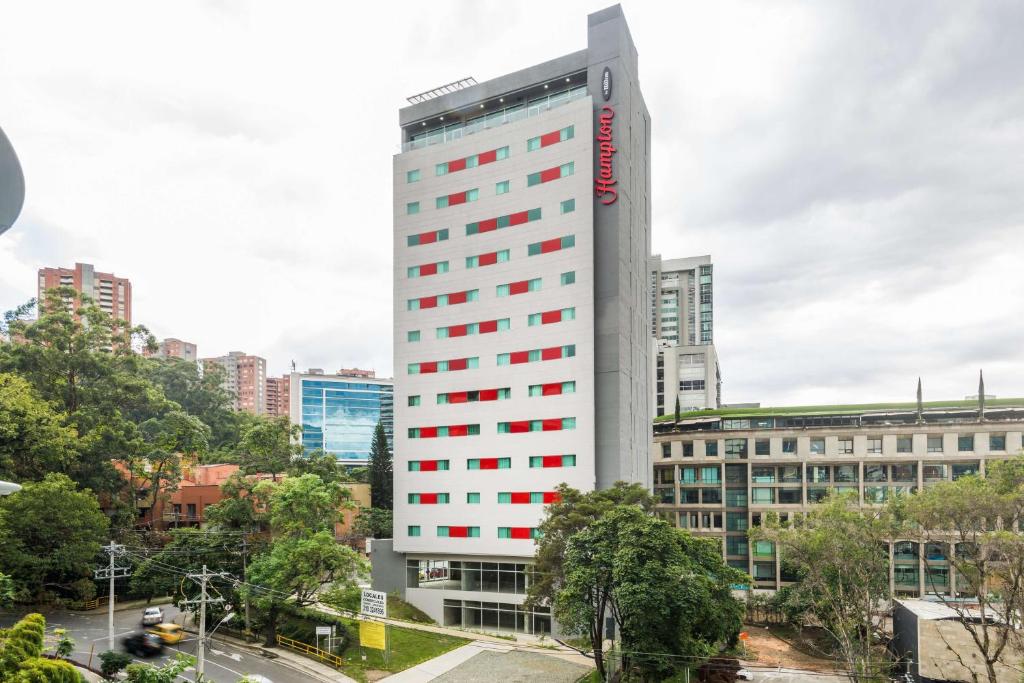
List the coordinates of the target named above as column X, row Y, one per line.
column 12, row 184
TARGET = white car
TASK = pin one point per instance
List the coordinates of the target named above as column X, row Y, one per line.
column 744, row 675
column 152, row 616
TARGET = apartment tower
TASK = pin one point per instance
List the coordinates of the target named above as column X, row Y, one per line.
column 244, row 378
column 111, row 293
column 522, row 343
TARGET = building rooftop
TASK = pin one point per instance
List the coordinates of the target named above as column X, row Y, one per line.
column 844, row 409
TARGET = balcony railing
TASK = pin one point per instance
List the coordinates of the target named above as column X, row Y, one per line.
column 454, row 132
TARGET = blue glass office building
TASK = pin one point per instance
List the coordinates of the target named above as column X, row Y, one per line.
column 339, row 414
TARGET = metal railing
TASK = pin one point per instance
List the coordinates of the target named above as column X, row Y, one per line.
column 91, row 604
column 457, row 132
column 311, row 651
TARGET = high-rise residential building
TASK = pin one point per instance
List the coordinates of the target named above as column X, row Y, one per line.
column 339, row 413
column 718, row 473
column 175, row 348
column 522, row 343
column 682, row 323
column 111, row 293
column 245, row 379
column 278, row 396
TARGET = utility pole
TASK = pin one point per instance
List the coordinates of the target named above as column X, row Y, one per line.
column 112, row 572
column 203, row 599
column 245, row 578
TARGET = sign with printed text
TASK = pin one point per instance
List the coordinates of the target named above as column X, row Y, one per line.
column 374, row 603
column 372, row 635
column 323, row 630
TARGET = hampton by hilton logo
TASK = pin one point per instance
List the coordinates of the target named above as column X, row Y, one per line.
column 604, row 182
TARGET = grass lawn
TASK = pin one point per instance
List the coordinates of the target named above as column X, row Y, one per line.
column 408, row 648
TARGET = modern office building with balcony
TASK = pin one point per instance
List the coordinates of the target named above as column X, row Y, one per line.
column 522, row 344
column 682, row 323
column 339, row 413
column 718, row 472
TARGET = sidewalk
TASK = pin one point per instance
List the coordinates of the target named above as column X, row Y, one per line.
column 431, row 669
column 306, row 665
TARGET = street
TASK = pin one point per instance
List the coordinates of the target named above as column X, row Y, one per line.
column 224, row 663
column 775, row 675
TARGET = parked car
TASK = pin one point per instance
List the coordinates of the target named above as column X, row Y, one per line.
column 143, row 644
column 152, row 616
column 169, row 633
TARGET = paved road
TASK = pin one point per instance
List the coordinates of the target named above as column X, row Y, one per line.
column 794, row 676
column 224, row 663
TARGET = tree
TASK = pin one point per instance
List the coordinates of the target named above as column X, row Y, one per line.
column 33, row 438
column 242, row 507
column 168, row 673
column 573, row 512
column 166, row 439
column 111, row 662
column 65, row 644
column 21, row 655
column 50, row 533
column 840, row 551
column 978, row 517
column 668, row 592
column 381, row 475
column 304, row 555
column 677, row 409
column 374, row 523
column 323, row 465
column 7, row 591
column 269, row 446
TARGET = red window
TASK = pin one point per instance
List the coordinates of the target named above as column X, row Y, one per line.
column 428, row 499
column 428, row 367
column 428, row 269
column 520, row 426
column 428, row 466
column 548, row 246
column 428, row 302
column 460, row 197
column 552, row 497
column 488, row 463
column 458, row 396
column 552, row 389
column 456, row 298
column 489, row 225
column 520, row 531
column 430, row 433
column 521, row 217
column 458, row 364
column 521, row 287
column 488, row 394
column 548, row 317
column 517, row 357
column 550, row 138
column 552, row 424
column 552, row 461
column 457, row 165
column 458, row 532
column 488, row 326
column 457, row 331
column 548, row 175
column 551, row 353
column 521, row 497
column 463, row 430
column 487, row 259
column 428, row 237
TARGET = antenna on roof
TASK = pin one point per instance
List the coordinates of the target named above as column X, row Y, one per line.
column 981, row 396
column 442, row 90
column 920, row 403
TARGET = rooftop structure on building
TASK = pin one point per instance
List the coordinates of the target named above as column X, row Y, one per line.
column 522, row 344
column 111, row 293
column 355, row 372
column 175, row 348
column 717, row 472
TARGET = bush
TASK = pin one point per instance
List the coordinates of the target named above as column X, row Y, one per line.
column 300, row 624
column 23, row 641
column 40, row 670
column 112, row 662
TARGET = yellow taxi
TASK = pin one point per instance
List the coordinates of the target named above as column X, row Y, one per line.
column 169, row 633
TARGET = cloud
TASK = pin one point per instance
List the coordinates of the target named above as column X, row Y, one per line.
column 852, row 168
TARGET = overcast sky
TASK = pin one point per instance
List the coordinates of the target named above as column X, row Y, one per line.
column 856, row 171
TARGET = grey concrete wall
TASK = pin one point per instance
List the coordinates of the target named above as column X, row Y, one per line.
column 622, row 247
column 387, row 567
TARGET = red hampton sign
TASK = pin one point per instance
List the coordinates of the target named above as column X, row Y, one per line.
column 604, row 183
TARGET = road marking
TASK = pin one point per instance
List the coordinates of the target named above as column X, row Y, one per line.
column 116, row 635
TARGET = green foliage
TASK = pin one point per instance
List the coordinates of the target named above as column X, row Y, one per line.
column 33, row 438
column 50, row 533
column 65, row 644
column 242, row 506
column 41, row 670
column 269, row 445
column 22, row 642
column 841, row 552
column 168, row 673
column 668, row 591
column 380, row 471
column 348, row 598
column 374, row 523
column 8, row 593
column 323, row 465
column 303, row 505
column 574, row 512
column 111, row 662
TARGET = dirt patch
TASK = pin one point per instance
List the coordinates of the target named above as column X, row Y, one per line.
column 765, row 649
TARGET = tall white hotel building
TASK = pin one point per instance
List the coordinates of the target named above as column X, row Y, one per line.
column 522, row 343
